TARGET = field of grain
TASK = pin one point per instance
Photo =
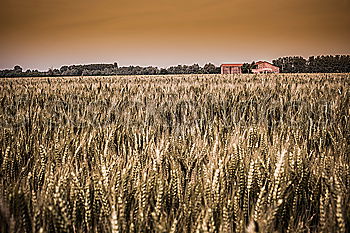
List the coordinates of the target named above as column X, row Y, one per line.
column 194, row 153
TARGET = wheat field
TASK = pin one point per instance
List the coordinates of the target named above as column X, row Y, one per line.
column 185, row 153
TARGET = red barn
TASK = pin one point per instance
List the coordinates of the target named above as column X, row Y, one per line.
column 264, row 67
column 231, row 68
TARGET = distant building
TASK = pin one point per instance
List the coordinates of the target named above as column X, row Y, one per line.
column 264, row 67
column 231, row 68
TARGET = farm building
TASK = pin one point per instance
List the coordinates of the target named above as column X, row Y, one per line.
column 231, row 68
column 263, row 67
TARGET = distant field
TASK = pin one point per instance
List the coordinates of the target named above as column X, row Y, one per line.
column 185, row 153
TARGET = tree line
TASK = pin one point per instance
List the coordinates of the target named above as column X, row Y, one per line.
column 291, row 64
column 318, row 64
column 110, row 69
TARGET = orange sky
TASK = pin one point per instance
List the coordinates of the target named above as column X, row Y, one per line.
column 39, row 34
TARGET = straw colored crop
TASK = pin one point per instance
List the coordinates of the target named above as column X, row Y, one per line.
column 186, row 153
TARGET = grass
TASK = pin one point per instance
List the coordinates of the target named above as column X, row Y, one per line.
column 190, row 153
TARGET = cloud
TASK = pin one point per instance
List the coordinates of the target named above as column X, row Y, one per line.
column 220, row 28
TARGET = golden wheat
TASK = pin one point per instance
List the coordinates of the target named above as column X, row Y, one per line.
column 186, row 153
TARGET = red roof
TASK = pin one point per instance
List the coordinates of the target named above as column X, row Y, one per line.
column 231, row 64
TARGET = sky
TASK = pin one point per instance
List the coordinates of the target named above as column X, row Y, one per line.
column 42, row 34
